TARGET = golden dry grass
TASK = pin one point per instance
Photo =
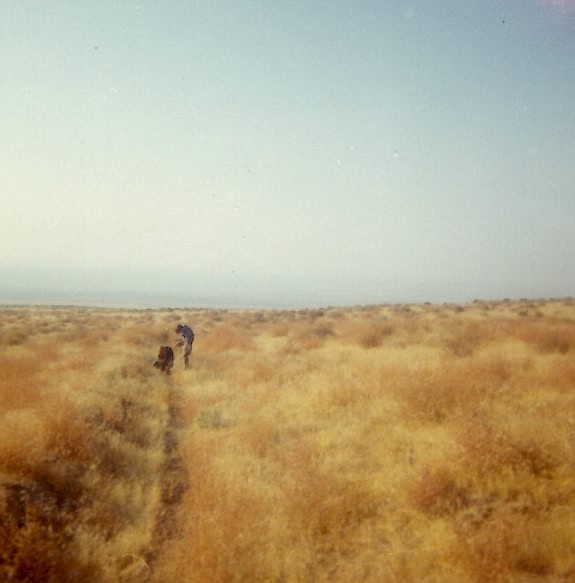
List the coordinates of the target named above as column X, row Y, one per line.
column 378, row 444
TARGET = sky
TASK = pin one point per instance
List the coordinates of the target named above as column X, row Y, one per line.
column 286, row 153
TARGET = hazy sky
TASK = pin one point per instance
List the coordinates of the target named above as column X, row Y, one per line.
column 363, row 146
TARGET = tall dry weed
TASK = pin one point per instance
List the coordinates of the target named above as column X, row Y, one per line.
column 226, row 337
column 19, row 387
column 377, row 444
column 464, row 337
column 365, row 333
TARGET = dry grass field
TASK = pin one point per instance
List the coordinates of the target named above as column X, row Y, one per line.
column 378, row 444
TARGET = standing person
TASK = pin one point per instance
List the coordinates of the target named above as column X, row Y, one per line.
column 186, row 340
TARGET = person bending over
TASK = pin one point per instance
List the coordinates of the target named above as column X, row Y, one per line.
column 186, row 340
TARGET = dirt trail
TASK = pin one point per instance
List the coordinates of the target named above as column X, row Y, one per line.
column 174, row 480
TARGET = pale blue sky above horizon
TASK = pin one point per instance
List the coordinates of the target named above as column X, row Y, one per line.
column 383, row 151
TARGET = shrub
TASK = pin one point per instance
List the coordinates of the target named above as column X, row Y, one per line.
column 465, row 337
column 19, row 385
column 436, row 492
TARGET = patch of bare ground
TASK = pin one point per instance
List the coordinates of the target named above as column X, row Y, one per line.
column 173, row 483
